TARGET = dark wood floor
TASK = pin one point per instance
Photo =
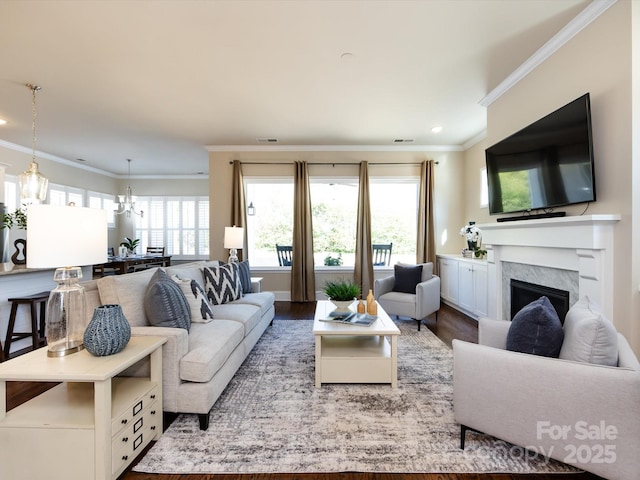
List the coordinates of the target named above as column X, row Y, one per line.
column 450, row 325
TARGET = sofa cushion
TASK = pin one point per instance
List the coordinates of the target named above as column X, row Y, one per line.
column 210, row 345
column 406, row 278
column 589, row 336
column 222, row 284
column 164, row 303
column 262, row 300
column 191, row 270
column 536, row 329
column 128, row 291
column 246, row 315
column 197, row 298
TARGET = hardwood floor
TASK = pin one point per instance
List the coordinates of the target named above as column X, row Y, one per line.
column 450, row 325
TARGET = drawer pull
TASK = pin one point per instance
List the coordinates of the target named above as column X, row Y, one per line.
column 125, row 439
column 153, row 397
column 125, row 457
column 124, row 421
column 137, row 442
column 137, row 408
column 153, row 428
column 152, row 412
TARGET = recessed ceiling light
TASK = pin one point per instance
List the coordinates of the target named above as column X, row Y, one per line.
column 3, row 122
column 436, row 129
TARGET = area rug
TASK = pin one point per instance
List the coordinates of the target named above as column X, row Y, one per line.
column 272, row 419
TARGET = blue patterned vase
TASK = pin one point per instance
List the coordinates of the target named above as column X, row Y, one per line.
column 108, row 331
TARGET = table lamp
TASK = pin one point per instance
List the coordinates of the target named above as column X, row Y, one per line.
column 56, row 238
column 233, row 239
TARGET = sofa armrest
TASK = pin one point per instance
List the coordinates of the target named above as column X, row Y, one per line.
column 382, row 286
column 493, row 333
column 428, row 297
column 517, row 397
column 177, row 346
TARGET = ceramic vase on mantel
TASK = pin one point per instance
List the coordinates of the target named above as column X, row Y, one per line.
column 108, row 331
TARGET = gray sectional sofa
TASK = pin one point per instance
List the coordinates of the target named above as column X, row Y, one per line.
column 197, row 364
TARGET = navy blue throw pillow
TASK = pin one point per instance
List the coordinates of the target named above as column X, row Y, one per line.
column 536, row 329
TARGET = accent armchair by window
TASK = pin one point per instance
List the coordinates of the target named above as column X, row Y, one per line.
column 417, row 298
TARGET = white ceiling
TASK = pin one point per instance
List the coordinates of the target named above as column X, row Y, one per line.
column 158, row 81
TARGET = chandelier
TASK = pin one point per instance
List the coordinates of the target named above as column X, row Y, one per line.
column 33, row 185
column 126, row 203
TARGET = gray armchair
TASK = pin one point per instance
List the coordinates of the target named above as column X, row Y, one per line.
column 418, row 306
column 527, row 399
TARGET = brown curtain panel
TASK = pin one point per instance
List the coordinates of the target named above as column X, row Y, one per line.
column 426, row 250
column 238, row 207
column 363, row 274
column 303, row 282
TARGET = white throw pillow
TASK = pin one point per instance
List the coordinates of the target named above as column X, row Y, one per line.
column 200, row 309
column 589, row 336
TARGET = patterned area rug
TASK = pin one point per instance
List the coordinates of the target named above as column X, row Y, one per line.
column 272, row 419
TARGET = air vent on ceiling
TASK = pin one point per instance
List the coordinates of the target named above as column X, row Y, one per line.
column 267, row 140
column 403, row 140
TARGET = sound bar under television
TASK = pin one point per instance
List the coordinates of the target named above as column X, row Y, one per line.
column 532, row 217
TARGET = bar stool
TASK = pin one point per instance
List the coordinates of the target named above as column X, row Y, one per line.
column 37, row 328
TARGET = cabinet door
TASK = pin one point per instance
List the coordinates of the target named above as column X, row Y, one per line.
column 480, row 292
column 465, row 282
column 449, row 280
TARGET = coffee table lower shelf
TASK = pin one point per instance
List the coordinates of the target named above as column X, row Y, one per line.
column 355, row 359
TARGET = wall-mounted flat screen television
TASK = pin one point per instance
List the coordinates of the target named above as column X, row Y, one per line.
column 545, row 165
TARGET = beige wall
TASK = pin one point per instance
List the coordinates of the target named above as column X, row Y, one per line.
column 598, row 60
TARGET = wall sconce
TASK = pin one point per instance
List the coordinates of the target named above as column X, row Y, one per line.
column 251, row 210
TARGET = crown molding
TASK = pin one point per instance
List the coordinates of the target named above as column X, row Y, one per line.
column 570, row 30
column 473, row 140
column 334, row 148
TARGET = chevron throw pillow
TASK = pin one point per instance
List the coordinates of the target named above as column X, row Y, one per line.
column 222, row 283
column 197, row 298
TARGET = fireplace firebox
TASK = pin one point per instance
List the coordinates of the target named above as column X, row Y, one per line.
column 523, row 293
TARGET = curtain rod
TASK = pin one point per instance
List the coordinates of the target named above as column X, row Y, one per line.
column 332, row 164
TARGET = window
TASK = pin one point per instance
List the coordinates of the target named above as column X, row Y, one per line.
column 394, row 206
column 394, row 215
column 105, row 202
column 180, row 224
column 273, row 220
column 62, row 195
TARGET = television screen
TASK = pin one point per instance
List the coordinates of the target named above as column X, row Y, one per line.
column 546, row 164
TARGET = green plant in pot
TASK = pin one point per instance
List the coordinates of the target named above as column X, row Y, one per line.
column 130, row 244
column 341, row 293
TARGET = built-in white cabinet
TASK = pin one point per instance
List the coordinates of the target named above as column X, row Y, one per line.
column 464, row 284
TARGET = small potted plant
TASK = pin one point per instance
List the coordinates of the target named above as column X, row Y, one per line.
column 342, row 293
column 130, row 245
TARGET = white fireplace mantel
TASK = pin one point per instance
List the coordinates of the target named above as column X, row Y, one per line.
column 579, row 243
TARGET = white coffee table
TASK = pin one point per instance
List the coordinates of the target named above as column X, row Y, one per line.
column 355, row 354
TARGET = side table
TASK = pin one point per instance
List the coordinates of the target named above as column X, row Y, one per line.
column 93, row 424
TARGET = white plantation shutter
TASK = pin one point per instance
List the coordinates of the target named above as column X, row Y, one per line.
column 180, row 224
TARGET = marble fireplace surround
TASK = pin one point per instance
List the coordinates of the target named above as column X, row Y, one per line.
column 570, row 253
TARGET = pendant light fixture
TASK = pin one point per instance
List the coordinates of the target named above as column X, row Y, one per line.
column 33, row 185
column 126, row 203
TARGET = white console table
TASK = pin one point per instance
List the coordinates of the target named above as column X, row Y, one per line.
column 92, row 425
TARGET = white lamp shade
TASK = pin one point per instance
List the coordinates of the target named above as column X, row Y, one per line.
column 233, row 237
column 65, row 236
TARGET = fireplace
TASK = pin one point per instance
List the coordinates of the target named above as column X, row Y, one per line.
column 523, row 293
column 576, row 251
